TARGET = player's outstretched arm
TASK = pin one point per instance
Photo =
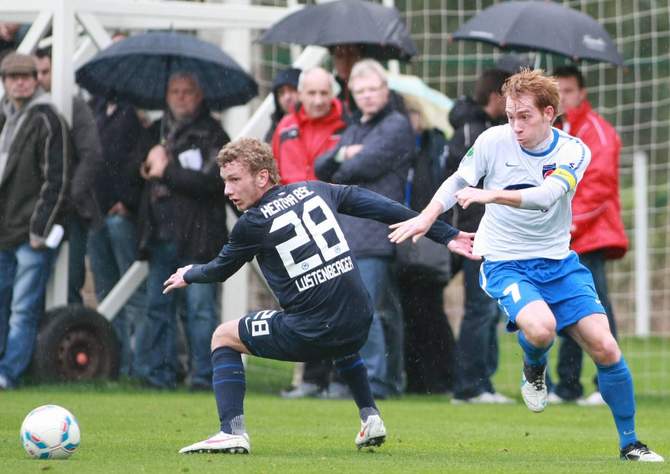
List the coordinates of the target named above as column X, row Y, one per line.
column 176, row 280
column 417, row 226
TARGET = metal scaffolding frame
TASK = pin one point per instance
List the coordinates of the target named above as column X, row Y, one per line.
column 68, row 18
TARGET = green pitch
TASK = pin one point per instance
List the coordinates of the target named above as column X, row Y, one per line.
column 127, row 430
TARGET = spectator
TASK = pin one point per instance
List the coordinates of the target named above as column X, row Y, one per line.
column 285, row 94
column 374, row 152
column 477, row 346
column 597, row 229
column 113, row 246
column 182, row 219
column 429, row 341
column 86, row 164
column 34, row 156
column 313, row 129
column 344, row 57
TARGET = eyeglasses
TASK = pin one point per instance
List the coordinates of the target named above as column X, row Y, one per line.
column 369, row 90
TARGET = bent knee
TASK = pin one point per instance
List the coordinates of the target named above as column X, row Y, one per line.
column 606, row 351
column 541, row 334
column 222, row 337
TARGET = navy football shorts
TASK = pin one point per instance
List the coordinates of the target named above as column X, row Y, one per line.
column 266, row 334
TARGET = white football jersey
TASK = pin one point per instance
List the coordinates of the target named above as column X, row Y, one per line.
column 509, row 233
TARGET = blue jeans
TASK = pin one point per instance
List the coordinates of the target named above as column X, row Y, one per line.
column 156, row 347
column 375, row 272
column 391, row 314
column 477, row 345
column 112, row 250
column 24, row 272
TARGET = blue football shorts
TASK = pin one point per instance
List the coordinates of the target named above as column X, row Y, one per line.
column 266, row 334
column 565, row 285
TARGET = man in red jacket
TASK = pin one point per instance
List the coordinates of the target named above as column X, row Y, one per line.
column 311, row 130
column 597, row 229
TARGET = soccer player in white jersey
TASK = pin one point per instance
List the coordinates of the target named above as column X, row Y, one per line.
column 531, row 171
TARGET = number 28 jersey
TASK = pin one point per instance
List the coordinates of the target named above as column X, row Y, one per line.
column 295, row 234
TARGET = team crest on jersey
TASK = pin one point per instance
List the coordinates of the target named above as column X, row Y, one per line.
column 548, row 169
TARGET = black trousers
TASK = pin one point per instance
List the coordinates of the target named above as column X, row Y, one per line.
column 429, row 341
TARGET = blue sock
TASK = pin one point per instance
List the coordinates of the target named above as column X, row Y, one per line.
column 229, row 385
column 533, row 355
column 353, row 371
column 616, row 386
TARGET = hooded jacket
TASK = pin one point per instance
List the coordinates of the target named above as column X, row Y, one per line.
column 300, row 139
column 34, row 181
column 287, row 77
column 596, row 207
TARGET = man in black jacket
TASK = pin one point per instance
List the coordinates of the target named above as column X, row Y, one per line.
column 34, row 156
column 84, row 212
column 374, row 152
column 182, row 219
column 477, row 346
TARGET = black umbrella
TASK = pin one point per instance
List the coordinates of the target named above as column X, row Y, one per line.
column 541, row 26
column 137, row 69
column 379, row 29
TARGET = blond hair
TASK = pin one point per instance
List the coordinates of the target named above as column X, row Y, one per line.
column 253, row 154
column 366, row 67
column 543, row 89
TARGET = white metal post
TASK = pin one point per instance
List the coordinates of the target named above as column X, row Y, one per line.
column 642, row 298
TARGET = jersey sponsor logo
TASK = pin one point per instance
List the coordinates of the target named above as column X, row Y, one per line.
column 284, row 202
column 548, row 169
column 324, row 274
column 470, row 152
column 510, row 164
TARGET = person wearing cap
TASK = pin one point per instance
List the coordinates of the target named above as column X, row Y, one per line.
column 285, row 93
column 34, row 173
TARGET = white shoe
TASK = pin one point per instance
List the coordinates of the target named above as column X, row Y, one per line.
column 373, row 432
column 554, row 399
column 221, row 443
column 534, row 388
column 593, row 400
column 640, row 452
column 484, row 398
column 303, row 390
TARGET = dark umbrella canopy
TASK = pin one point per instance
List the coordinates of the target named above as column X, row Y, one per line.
column 380, row 29
column 138, row 68
column 541, row 26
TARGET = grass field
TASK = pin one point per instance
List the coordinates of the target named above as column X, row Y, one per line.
column 130, row 430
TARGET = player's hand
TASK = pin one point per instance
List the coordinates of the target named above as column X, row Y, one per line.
column 467, row 196
column 176, row 280
column 462, row 245
column 416, row 227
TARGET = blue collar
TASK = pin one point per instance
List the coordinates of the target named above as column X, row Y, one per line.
column 544, row 152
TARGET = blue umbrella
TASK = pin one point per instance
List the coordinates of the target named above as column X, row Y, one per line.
column 137, row 69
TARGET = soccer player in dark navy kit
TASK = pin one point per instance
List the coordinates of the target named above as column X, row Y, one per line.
column 295, row 235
